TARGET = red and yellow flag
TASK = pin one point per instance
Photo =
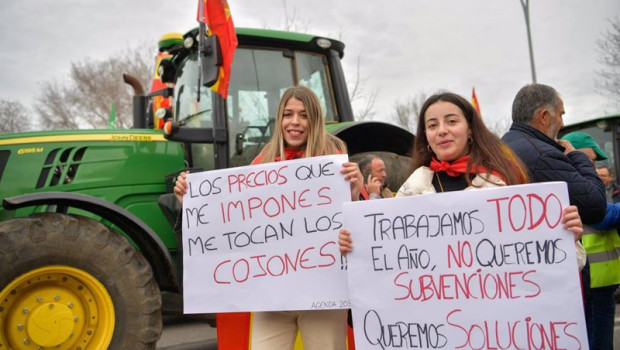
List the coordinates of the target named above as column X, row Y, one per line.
column 156, row 85
column 474, row 101
column 234, row 332
column 215, row 14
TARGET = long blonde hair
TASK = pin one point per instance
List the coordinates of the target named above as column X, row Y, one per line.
column 319, row 142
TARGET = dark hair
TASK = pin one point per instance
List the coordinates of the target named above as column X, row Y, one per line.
column 366, row 162
column 532, row 98
column 611, row 173
column 486, row 149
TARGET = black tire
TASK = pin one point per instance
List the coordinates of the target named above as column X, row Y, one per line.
column 57, row 257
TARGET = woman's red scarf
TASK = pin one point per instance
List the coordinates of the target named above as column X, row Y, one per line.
column 289, row 153
column 458, row 167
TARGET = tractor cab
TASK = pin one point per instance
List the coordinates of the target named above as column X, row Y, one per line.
column 220, row 133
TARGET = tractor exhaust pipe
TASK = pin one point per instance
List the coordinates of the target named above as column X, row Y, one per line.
column 139, row 102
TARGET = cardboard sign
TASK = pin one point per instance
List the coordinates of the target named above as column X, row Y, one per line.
column 263, row 237
column 483, row 269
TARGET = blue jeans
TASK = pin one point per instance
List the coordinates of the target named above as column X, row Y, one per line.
column 600, row 311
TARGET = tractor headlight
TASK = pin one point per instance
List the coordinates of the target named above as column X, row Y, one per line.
column 323, row 43
column 188, row 42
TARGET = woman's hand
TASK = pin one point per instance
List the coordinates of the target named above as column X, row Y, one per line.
column 353, row 174
column 344, row 241
column 180, row 186
column 572, row 221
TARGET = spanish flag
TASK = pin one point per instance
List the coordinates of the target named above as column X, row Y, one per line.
column 215, row 14
column 474, row 101
column 234, row 332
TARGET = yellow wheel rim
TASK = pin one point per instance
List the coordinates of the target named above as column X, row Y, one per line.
column 57, row 307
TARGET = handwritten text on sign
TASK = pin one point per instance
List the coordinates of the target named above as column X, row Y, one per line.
column 485, row 269
column 263, row 237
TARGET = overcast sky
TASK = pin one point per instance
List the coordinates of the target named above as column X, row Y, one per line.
column 407, row 47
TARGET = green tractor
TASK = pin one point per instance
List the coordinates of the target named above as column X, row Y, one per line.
column 606, row 131
column 88, row 255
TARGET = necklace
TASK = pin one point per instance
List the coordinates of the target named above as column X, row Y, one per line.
column 439, row 181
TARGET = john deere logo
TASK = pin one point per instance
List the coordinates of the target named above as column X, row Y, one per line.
column 29, row 150
column 132, row 137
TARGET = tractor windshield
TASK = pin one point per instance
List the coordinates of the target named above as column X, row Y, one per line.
column 603, row 136
column 258, row 80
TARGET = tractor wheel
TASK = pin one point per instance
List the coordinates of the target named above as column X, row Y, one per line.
column 69, row 282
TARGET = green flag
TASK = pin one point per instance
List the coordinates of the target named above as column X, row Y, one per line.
column 112, row 117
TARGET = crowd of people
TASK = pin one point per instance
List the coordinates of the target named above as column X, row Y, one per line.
column 453, row 150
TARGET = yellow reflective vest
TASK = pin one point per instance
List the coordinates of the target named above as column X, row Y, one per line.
column 603, row 249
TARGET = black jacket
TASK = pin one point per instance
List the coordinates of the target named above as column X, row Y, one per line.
column 546, row 161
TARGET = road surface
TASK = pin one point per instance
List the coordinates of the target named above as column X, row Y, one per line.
column 186, row 334
column 183, row 334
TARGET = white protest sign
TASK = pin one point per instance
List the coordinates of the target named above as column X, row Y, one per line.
column 263, row 237
column 484, row 269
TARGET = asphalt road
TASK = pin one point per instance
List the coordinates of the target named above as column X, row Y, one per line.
column 186, row 334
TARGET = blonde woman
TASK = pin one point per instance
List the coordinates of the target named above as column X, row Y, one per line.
column 299, row 133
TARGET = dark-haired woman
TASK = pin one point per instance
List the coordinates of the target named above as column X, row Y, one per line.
column 455, row 151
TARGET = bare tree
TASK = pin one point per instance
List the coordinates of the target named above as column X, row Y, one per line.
column 293, row 21
column 53, row 109
column 407, row 112
column 608, row 82
column 498, row 126
column 13, row 117
column 360, row 96
column 92, row 89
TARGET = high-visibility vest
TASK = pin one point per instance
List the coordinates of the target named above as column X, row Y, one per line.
column 603, row 249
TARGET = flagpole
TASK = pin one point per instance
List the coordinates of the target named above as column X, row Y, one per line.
column 112, row 117
column 526, row 12
column 202, row 35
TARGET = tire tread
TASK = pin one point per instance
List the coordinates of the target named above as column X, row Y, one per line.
column 58, row 239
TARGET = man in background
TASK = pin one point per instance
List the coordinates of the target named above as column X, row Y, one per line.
column 613, row 192
column 537, row 112
column 536, row 120
column 375, row 178
column 602, row 247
